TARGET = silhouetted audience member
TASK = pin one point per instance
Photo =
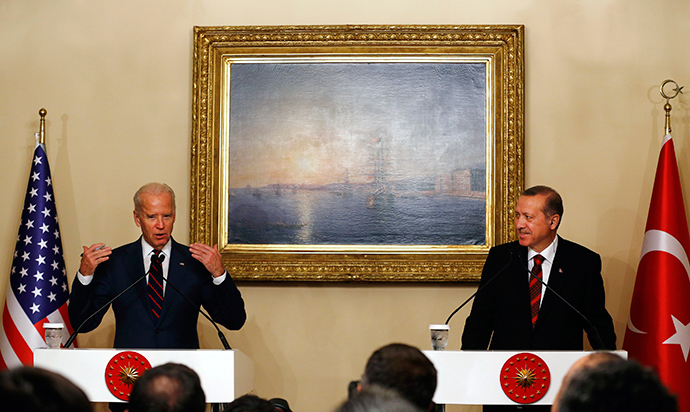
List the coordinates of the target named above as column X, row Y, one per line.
column 250, row 403
column 31, row 389
column 280, row 404
column 404, row 369
column 378, row 399
column 615, row 387
column 171, row 387
column 588, row 361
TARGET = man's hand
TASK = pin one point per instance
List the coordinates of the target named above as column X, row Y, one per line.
column 92, row 257
column 209, row 256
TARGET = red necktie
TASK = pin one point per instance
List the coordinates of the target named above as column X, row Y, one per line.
column 156, row 283
column 535, row 287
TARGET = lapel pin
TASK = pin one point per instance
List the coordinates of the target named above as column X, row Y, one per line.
column 560, row 270
column 181, row 263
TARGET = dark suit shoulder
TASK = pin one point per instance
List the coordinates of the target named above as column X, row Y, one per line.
column 569, row 248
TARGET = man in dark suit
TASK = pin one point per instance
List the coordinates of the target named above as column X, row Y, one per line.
column 514, row 311
column 160, row 317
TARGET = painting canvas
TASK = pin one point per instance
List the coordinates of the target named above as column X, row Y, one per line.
column 356, row 153
column 361, row 153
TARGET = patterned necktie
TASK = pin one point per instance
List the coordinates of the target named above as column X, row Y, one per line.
column 156, row 283
column 535, row 287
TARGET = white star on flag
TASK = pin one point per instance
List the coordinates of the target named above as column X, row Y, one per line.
column 681, row 337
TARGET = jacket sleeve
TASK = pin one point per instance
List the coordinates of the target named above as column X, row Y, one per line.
column 479, row 325
column 224, row 303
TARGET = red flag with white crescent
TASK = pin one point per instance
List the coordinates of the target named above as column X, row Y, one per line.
column 658, row 332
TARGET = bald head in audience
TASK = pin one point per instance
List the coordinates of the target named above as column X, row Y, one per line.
column 171, row 387
column 602, row 384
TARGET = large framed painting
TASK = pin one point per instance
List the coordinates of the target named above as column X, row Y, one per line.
column 356, row 153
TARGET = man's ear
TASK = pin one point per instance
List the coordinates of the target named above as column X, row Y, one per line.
column 554, row 221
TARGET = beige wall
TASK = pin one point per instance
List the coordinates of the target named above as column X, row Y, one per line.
column 115, row 78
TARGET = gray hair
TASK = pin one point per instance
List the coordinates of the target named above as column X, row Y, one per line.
column 153, row 188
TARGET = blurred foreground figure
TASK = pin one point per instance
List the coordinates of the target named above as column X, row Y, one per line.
column 171, row 387
column 378, row 399
column 404, row 369
column 29, row 389
column 613, row 386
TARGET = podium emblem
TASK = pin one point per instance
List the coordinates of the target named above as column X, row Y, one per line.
column 525, row 378
column 122, row 371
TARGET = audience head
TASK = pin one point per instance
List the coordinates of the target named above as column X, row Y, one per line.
column 588, row 361
column 250, row 403
column 30, row 389
column 378, row 399
column 614, row 386
column 404, row 369
column 171, row 387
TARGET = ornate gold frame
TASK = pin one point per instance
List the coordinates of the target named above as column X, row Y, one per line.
column 502, row 47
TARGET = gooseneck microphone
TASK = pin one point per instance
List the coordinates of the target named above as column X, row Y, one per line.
column 221, row 336
column 482, row 286
column 73, row 336
column 564, row 300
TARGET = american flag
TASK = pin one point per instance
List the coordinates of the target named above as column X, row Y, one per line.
column 38, row 290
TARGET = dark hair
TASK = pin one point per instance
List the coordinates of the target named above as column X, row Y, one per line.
column 554, row 202
column 31, row 389
column 616, row 387
column 250, row 403
column 405, row 369
column 171, row 387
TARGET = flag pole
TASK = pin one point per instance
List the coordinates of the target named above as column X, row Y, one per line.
column 42, row 129
column 667, row 106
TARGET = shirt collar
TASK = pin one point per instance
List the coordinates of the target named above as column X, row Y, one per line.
column 549, row 253
column 147, row 249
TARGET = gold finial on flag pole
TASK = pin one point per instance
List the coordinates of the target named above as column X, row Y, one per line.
column 667, row 106
column 42, row 129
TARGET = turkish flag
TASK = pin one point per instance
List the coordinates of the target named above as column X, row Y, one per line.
column 658, row 332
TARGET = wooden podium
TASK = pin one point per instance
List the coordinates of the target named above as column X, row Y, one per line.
column 475, row 377
column 225, row 374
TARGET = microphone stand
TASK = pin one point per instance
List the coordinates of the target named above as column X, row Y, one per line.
column 73, row 336
column 596, row 332
column 221, row 336
column 481, row 288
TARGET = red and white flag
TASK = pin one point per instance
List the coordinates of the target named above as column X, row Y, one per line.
column 658, row 332
column 38, row 291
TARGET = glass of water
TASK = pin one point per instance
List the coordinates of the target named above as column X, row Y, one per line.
column 53, row 334
column 439, row 336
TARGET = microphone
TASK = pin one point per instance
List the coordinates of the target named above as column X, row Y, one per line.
column 221, row 336
column 73, row 336
column 596, row 332
column 482, row 286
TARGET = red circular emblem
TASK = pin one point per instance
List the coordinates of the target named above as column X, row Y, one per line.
column 122, row 371
column 525, row 378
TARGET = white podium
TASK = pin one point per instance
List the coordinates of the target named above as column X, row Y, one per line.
column 225, row 374
column 474, row 377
